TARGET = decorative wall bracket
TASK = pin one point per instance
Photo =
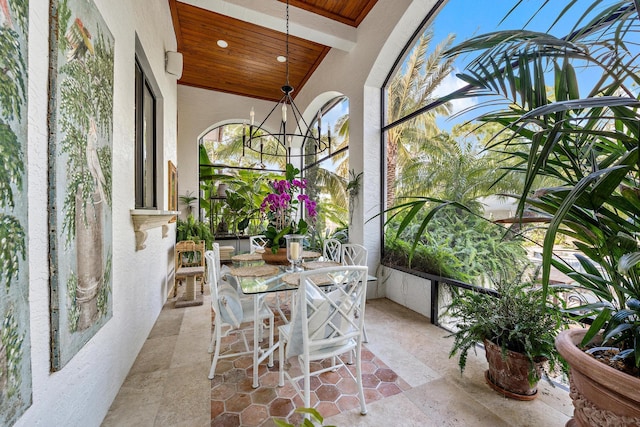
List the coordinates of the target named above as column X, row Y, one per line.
column 146, row 219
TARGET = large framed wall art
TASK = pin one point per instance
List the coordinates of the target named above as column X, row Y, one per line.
column 15, row 340
column 80, row 158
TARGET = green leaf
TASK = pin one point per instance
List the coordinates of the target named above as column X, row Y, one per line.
column 628, row 261
column 595, row 327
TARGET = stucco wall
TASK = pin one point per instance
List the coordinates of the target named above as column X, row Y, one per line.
column 81, row 393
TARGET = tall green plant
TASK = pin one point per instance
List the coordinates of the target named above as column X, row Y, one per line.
column 409, row 90
column 586, row 138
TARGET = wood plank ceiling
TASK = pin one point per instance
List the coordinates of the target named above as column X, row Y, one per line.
column 248, row 66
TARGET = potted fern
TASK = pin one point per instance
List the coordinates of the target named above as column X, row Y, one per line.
column 518, row 328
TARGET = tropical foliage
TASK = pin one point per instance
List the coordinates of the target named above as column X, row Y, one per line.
column 589, row 144
column 583, row 134
column 326, row 177
column 455, row 243
column 520, row 320
column 192, row 229
column 411, row 88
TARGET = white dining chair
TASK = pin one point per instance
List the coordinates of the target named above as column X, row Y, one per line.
column 355, row 254
column 256, row 242
column 231, row 312
column 332, row 250
column 325, row 326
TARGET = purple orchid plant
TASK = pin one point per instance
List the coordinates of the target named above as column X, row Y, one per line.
column 284, row 204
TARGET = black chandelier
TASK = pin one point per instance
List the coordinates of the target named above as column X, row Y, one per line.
column 312, row 143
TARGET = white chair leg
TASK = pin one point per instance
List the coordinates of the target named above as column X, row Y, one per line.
column 281, row 362
column 363, row 405
column 211, row 345
column 216, row 354
column 364, row 334
column 307, row 383
column 213, row 337
column 271, row 328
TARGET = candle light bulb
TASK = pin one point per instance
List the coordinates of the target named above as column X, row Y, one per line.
column 284, row 113
column 252, row 114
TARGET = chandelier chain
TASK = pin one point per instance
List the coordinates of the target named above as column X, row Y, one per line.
column 287, row 45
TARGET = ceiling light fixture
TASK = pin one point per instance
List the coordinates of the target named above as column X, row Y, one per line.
column 290, row 130
column 222, row 43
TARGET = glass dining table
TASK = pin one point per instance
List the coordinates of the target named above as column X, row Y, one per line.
column 258, row 279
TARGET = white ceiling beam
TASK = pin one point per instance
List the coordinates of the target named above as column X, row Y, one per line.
column 271, row 14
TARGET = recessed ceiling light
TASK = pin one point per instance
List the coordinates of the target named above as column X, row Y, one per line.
column 223, row 44
column 282, row 58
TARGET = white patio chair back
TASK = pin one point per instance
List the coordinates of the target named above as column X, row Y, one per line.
column 230, row 312
column 332, row 250
column 216, row 261
column 326, row 326
column 354, row 254
column 256, row 242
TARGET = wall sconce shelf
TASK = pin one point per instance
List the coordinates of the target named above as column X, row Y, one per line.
column 146, row 219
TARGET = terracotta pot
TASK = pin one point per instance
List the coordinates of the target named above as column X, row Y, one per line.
column 602, row 395
column 510, row 376
column 279, row 258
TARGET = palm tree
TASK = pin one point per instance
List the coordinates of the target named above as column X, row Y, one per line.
column 587, row 140
column 409, row 90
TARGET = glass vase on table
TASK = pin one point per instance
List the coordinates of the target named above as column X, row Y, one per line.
column 294, row 251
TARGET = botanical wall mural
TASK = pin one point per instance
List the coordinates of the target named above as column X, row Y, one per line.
column 15, row 342
column 80, row 157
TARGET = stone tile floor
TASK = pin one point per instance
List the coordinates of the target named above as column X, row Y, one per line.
column 168, row 385
column 235, row 403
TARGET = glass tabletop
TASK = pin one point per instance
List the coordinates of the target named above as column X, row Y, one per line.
column 263, row 279
column 264, row 283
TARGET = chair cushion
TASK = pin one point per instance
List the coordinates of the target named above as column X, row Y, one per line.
column 317, row 316
column 230, row 305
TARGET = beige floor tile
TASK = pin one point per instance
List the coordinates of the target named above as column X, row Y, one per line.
column 144, row 388
column 392, row 411
column 407, row 366
column 187, row 394
column 156, row 354
column 166, row 326
column 132, row 414
column 168, row 384
column 192, row 348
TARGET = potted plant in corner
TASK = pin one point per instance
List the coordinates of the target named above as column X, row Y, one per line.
column 589, row 147
column 517, row 327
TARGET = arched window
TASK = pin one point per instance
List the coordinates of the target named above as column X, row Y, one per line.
column 327, row 172
column 229, row 159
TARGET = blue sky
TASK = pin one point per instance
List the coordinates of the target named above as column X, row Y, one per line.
column 468, row 18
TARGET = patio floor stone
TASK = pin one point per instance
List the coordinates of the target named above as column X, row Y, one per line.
column 256, row 407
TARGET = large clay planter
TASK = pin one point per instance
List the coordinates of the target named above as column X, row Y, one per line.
column 510, row 376
column 602, row 395
column 279, row 258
